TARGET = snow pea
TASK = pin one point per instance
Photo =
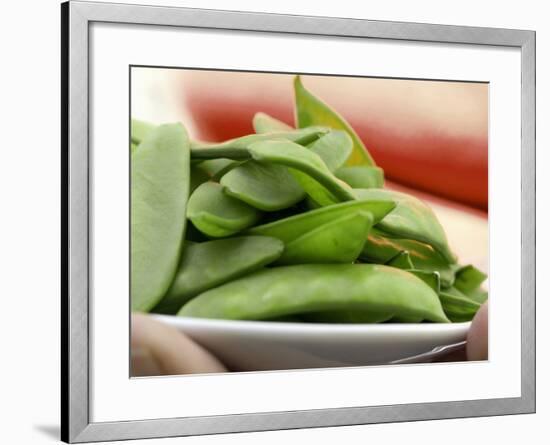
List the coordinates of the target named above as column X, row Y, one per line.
column 306, row 288
column 293, row 227
column 403, row 261
column 237, row 149
column 334, row 148
column 468, row 281
column 209, row 264
column 411, row 219
column 316, row 193
column 458, row 308
column 311, row 110
column 308, row 168
column 337, row 241
column 264, row 123
column 267, row 187
column 159, row 190
column 216, row 214
column 480, row 295
column 380, row 248
column 325, row 209
column 361, row 177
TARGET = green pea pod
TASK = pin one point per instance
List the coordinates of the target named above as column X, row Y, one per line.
column 469, row 278
column 477, row 294
column 480, row 295
column 210, row 264
column 237, row 149
column 403, row 261
column 310, row 110
column 411, row 219
column 453, row 291
column 334, row 148
column 345, row 317
column 458, row 308
column 217, row 168
column 139, row 131
column 312, row 173
column 293, row 227
column 315, row 192
column 468, row 281
column 159, row 191
column 337, row 241
column 267, row 187
column 264, row 123
column 361, row 177
column 380, row 248
column 306, row 288
column 216, row 214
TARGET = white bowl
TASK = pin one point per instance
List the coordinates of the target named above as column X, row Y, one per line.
column 258, row 346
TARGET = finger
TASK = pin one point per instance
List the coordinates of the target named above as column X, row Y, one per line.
column 477, row 340
column 164, row 349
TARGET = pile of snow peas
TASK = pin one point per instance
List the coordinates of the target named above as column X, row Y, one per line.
column 286, row 224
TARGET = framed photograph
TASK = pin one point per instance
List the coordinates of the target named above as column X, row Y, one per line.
column 275, row 222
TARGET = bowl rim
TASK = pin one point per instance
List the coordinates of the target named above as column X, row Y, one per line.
column 313, row 329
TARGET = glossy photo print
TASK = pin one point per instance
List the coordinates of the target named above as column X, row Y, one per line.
column 295, row 221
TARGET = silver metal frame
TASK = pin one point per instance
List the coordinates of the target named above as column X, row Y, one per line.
column 76, row 18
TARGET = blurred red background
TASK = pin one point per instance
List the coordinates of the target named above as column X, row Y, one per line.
column 432, row 136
